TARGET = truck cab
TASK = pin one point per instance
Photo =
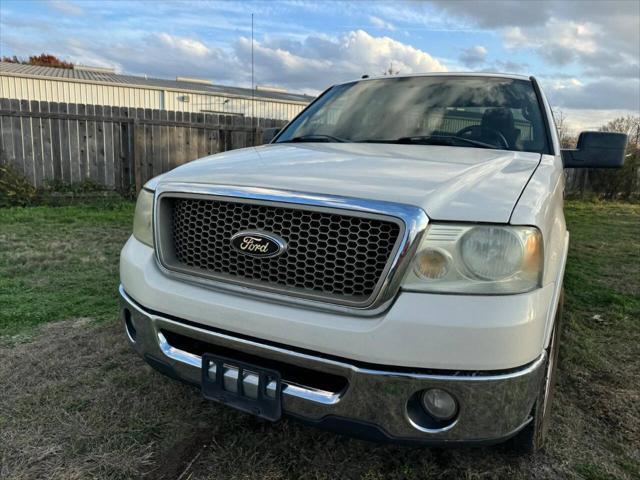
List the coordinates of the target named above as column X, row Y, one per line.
column 389, row 265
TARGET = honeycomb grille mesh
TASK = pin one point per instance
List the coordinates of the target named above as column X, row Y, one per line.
column 331, row 255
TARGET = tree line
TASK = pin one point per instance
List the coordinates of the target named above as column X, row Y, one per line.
column 42, row 60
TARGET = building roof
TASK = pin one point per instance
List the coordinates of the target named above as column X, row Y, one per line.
column 104, row 76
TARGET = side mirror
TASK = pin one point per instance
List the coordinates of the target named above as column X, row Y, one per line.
column 269, row 134
column 596, row 150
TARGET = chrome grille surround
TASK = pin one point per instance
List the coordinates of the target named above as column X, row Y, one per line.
column 410, row 221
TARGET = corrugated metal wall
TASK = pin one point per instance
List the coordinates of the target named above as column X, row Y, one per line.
column 63, row 91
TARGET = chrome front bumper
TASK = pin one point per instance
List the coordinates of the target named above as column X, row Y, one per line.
column 376, row 402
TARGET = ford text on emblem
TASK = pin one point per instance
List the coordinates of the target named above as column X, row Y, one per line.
column 258, row 244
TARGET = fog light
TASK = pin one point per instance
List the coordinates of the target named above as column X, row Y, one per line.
column 439, row 404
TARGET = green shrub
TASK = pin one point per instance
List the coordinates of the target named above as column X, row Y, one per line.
column 15, row 190
column 86, row 186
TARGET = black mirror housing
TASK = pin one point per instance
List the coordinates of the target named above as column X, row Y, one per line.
column 596, row 150
column 269, row 134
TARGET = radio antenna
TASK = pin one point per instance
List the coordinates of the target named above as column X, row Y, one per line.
column 253, row 93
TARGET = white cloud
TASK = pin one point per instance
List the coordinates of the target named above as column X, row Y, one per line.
column 380, row 23
column 497, row 13
column 562, row 83
column 601, row 38
column 559, row 42
column 473, row 56
column 606, row 94
column 587, row 105
column 308, row 65
column 67, row 7
column 79, row 54
column 319, row 61
column 514, row 38
column 359, row 46
column 159, row 55
column 187, row 46
column 581, row 119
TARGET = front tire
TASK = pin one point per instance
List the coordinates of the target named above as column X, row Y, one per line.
column 532, row 438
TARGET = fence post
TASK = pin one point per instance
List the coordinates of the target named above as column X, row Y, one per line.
column 583, row 183
column 126, row 152
column 138, row 153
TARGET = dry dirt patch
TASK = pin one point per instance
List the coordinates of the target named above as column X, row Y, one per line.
column 76, row 402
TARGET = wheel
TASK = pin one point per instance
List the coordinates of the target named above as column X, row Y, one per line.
column 533, row 436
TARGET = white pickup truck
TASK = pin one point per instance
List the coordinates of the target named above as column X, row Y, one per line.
column 389, row 265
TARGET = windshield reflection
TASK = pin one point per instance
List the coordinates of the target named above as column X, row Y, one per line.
column 474, row 112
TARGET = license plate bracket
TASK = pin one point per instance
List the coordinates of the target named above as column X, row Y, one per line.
column 243, row 386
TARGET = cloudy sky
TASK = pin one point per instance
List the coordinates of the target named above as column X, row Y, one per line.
column 586, row 53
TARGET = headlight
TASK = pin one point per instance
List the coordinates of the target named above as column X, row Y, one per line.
column 479, row 259
column 142, row 226
column 491, row 253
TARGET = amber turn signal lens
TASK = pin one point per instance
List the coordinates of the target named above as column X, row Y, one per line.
column 431, row 264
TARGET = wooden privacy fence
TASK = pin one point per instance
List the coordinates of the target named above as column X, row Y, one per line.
column 121, row 148
column 117, row 147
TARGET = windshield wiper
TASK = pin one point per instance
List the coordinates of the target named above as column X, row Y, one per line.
column 446, row 140
column 314, row 138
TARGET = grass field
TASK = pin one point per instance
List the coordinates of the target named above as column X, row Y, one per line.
column 76, row 403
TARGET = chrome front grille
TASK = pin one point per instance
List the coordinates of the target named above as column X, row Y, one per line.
column 332, row 255
column 349, row 271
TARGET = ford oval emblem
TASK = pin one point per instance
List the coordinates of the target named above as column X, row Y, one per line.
column 258, row 244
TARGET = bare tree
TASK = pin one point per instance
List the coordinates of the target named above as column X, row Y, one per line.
column 629, row 125
column 624, row 183
column 567, row 140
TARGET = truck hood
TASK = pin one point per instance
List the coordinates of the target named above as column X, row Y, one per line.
column 449, row 183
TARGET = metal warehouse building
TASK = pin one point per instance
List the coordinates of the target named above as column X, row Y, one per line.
column 100, row 86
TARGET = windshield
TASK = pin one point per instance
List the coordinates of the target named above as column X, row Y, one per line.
column 477, row 112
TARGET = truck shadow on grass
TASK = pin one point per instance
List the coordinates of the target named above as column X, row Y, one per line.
column 78, row 403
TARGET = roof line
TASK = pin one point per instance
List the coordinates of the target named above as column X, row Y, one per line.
column 155, row 87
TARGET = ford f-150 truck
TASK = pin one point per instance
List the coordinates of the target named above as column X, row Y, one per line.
column 388, row 265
